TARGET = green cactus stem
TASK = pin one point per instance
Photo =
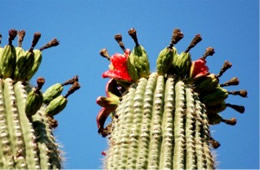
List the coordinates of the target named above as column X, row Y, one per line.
column 162, row 121
column 26, row 131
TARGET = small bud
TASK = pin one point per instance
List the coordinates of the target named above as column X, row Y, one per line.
column 52, row 92
column 215, row 144
column 56, row 105
column 33, row 102
column 21, row 35
column 240, row 109
column 194, row 42
column 35, row 40
column 224, row 68
column 52, row 122
column 132, row 33
column 177, row 35
column 232, row 121
column 119, row 38
column 40, row 83
column 104, row 53
column 233, row 81
column 12, row 35
column 242, row 93
column 209, row 52
column 50, row 44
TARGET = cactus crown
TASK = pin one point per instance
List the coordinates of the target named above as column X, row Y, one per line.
column 27, row 114
column 161, row 120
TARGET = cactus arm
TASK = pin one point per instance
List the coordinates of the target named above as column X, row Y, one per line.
column 189, row 130
column 156, row 131
column 29, row 137
column 179, row 136
column 137, row 120
column 167, row 126
column 14, row 126
column 146, row 123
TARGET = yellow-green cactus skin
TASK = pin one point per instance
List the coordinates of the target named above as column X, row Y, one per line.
column 162, row 120
column 26, row 130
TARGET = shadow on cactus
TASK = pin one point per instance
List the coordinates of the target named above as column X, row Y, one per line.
column 27, row 114
column 161, row 120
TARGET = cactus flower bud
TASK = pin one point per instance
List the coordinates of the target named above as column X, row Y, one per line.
column 138, row 64
column 119, row 67
column 56, row 105
column 164, row 60
column 33, row 102
column 52, row 92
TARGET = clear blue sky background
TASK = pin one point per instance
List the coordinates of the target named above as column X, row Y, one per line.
column 84, row 27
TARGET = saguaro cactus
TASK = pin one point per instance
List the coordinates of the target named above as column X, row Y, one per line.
column 161, row 120
column 26, row 115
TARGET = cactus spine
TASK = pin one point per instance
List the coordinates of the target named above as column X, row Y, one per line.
column 163, row 120
column 26, row 129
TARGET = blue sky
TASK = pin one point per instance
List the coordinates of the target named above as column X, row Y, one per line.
column 84, row 27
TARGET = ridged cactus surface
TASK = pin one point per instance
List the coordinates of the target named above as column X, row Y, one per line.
column 26, row 114
column 161, row 120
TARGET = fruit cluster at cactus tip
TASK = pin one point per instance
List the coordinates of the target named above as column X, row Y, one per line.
column 128, row 68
